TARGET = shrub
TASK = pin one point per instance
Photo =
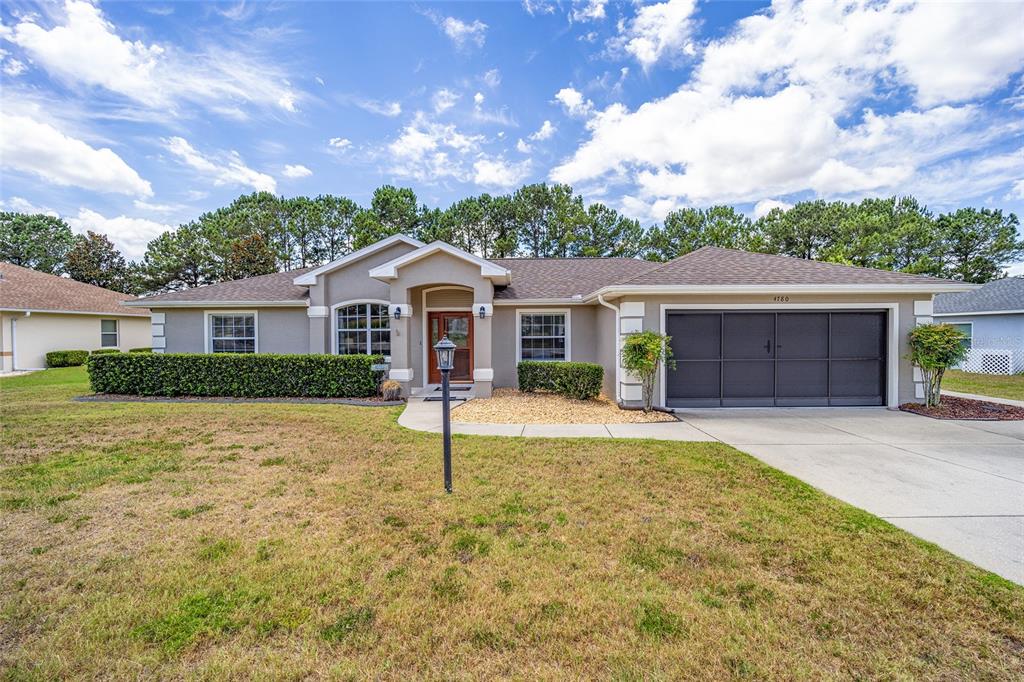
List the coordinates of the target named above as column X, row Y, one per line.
column 66, row 358
column 391, row 390
column 935, row 348
column 105, row 351
column 235, row 375
column 642, row 354
column 140, row 350
column 577, row 380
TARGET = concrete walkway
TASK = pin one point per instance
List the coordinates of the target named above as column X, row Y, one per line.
column 959, row 484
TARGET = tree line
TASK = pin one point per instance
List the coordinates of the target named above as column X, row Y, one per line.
column 261, row 233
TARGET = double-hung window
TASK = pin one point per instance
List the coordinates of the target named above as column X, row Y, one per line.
column 232, row 332
column 968, row 329
column 544, row 336
column 364, row 328
column 108, row 333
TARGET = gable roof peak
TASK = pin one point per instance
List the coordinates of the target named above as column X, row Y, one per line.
column 309, row 278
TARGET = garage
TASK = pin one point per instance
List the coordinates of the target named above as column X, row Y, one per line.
column 754, row 358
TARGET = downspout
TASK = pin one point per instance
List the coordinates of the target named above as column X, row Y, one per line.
column 606, row 304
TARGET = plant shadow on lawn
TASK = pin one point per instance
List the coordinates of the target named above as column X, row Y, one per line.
column 220, row 541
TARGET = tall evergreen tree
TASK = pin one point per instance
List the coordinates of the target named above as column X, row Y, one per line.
column 36, row 241
column 606, row 233
column 95, row 260
column 689, row 229
column 976, row 244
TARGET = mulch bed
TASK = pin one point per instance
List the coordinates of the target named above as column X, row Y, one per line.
column 114, row 398
column 964, row 408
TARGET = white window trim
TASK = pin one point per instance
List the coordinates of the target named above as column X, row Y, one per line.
column 358, row 301
column 208, row 329
column 892, row 353
column 117, row 332
column 544, row 311
column 964, row 324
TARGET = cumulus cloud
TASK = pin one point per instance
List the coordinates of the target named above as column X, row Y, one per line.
column 464, row 35
column 766, row 206
column 659, row 31
column 588, row 10
column 546, row 130
column 428, row 151
column 782, row 105
column 523, row 147
column 499, row 173
column 130, row 235
column 296, row 171
column 225, row 168
column 574, row 102
column 444, row 99
column 478, row 98
column 339, row 142
column 83, row 47
column 38, row 148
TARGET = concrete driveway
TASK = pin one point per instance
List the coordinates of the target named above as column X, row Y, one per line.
column 957, row 484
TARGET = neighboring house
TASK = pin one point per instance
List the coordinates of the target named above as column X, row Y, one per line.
column 747, row 328
column 993, row 319
column 41, row 312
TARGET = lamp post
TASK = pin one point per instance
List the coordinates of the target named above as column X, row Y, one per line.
column 445, row 350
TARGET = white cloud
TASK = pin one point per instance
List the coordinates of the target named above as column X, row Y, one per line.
column 588, row 10
column 546, row 130
column 130, row 235
column 22, row 205
column 463, row 34
column 158, row 208
column 35, row 147
column 478, row 98
column 574, row 102
column 382, row 108
column 222, row 169
column 84, row 48
column 781, row 105
column 296, row 171
column 444, row 99
column 13, row 67
column 535, row 7
column 766, row 206
column 500, row 173
column 523, row 147
column 658, row 31
column 492, row 78
column 428, row 151
column 339, row 142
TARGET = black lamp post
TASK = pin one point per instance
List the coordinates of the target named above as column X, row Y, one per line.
column 445, row 350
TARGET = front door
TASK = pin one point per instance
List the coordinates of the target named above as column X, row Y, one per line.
column 459, row 328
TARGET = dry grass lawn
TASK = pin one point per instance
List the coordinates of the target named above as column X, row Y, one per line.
column 509, row 406
column 142, row 541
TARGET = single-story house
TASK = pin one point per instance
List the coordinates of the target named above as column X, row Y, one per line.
column 41, row 312
column 747, row 329
column 993, row 319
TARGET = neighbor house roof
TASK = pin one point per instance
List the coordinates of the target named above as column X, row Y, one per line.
column 1002, row 295
column 30, row 290
column 565, row 278
column 712, row 266
column 274, row 289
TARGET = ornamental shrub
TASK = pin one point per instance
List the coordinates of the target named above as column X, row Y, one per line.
column 140, row 350
column 105, row 351
column 934, row 348
column 576, row 380
column 642, row 354
column 66, row 358
column 235, row 375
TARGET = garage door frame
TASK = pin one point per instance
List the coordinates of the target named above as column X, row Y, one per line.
column 892, row 358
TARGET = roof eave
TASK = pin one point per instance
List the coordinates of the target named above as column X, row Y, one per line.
column 967, row 313
column 910, row 288
column 217, row 304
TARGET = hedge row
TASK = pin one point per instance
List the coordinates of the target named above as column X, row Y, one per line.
column 577, row 380
column 235, row 375
column 66, row 358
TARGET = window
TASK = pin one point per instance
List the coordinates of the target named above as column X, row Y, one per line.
column 544, row 336
column 967, row 328
column 233, row 333
column 364, row 328
column 108, row 333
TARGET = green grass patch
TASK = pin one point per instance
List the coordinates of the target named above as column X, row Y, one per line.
column 351, row 622
column 994, row 385
column 189, row 512
column 195, row 616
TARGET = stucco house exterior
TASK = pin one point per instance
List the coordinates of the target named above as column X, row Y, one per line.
column 40, row 312
column 747, row 329
column 993, row 319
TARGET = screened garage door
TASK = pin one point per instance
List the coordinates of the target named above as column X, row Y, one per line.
column 785, row 359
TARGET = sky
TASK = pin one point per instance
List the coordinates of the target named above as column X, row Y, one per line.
column 131, row 118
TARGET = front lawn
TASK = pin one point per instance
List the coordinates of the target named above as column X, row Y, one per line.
column 217, row 541
column 994, row 385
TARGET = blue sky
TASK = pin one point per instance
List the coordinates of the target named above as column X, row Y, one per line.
column 129, row 118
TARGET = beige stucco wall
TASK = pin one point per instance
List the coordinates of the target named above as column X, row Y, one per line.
column 906, row 385
column 32, row 337
column 278, row 330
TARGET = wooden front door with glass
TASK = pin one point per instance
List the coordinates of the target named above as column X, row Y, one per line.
column 459, row 328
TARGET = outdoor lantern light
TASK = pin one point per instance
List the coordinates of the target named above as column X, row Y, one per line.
column 483, row 312
column 445, row 350
column 398, row 312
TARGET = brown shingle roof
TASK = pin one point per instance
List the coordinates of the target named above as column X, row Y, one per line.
column 276, row 287
column 26, row 289
column 537, row 278
column 711, row 266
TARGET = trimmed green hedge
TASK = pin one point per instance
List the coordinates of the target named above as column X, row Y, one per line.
column 140, row 350
column 577, row 380
column 105, row 351
column 66, row 358
column 235, row 375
